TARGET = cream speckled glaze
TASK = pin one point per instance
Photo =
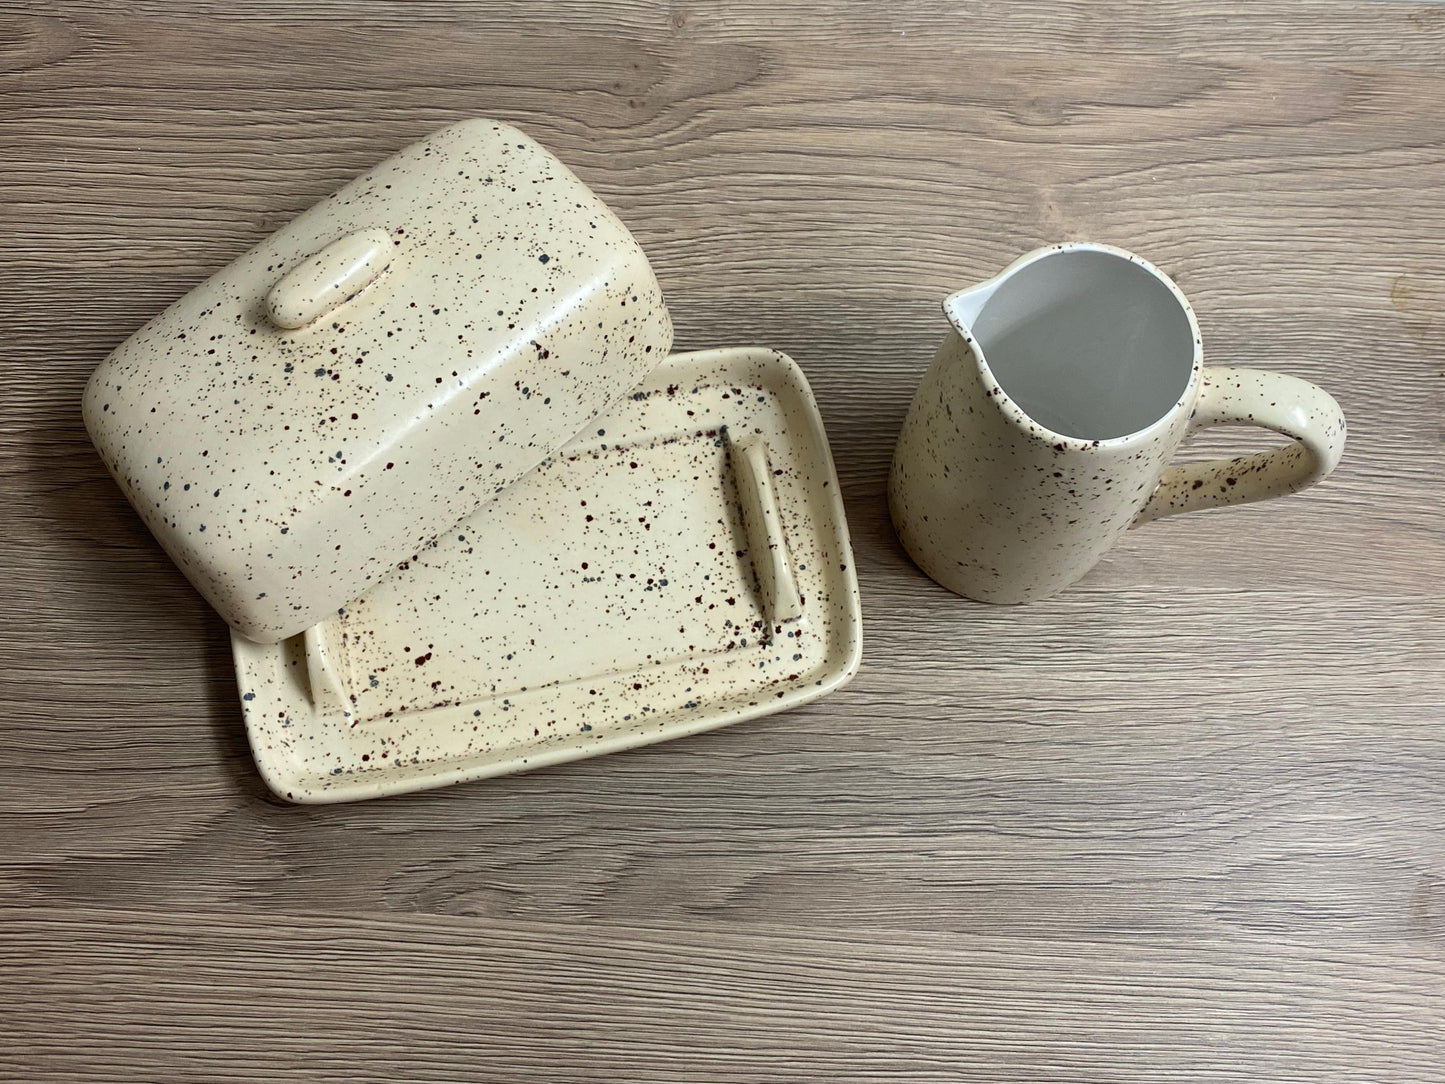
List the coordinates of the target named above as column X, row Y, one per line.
column 373, row 372
column 680, row 565
column 1044, row 428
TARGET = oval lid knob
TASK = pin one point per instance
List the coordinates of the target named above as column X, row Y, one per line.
column 330, row 278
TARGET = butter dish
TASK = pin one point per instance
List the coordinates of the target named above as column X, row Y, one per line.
column 426, row 451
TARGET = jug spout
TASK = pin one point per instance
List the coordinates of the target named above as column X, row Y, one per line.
column 962, row 308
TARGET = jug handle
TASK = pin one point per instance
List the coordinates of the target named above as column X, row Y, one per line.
column 1286, row 404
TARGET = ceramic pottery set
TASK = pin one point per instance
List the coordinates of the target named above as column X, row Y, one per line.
column 427, row 453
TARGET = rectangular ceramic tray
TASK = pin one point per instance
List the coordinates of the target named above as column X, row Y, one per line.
column 680, row 565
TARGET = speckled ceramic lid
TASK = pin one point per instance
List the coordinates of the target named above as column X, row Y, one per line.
column 304, row 420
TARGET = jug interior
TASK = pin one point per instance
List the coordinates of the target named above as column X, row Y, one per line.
column 1089, row 344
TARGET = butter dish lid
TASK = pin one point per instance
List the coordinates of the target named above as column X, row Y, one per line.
column 301, row 423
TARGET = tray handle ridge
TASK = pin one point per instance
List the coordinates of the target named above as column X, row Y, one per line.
column 767, row 548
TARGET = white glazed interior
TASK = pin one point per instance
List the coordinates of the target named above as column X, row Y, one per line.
column 1089, row 343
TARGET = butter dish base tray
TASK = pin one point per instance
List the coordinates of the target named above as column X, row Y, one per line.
column 682, row 564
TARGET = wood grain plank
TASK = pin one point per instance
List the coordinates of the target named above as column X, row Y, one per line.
column 445, row 1000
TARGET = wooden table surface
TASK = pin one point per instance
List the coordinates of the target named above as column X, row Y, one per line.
column 1183, row 822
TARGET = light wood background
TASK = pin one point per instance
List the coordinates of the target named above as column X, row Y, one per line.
column 1183, row 822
